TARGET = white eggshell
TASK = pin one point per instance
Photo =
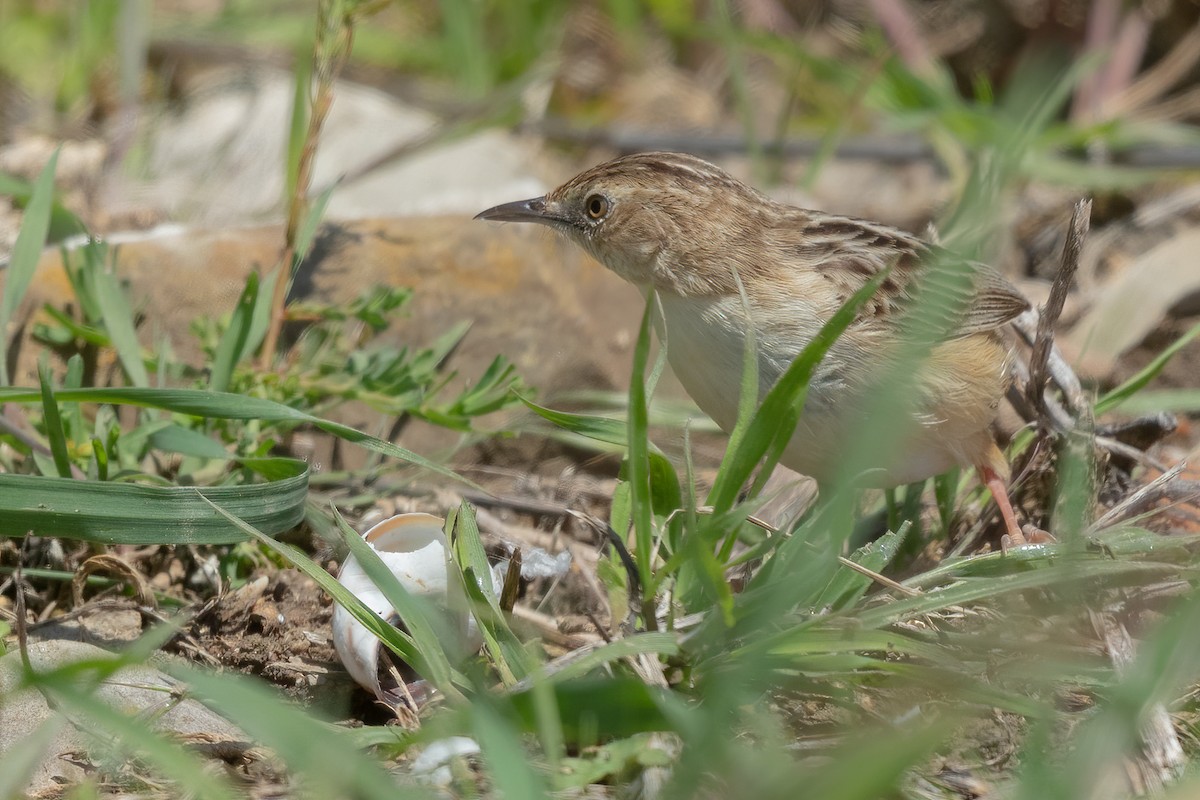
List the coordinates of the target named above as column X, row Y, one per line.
column 413, row 547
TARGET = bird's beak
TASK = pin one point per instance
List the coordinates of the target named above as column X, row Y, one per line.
column 521, row 211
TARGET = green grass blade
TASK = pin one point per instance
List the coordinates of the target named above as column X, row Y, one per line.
column 310, row 224
column 430, row 633
column 1131, row 387
column 111, row 726
column 235, row 343
column 25, row 255
column 1150, row 401
column 596, row 709
column 602, row 429
column 848, row 586
column 510, row 658
column 1081, row 571
column 748, row 395
column 222, row 405
column 660, row 643
column 298, row 121
column 421, row 649
column 54, row 426
column 63, row 223
column 125, row 513
column 508, row 764
column 117, row 315
column 22, row 759
column 174, row 438
column 664, row 481
column 775, row 420
column 637, row 464
column 325, row 757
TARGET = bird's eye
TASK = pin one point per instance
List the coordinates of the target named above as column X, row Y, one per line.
column 597, row 207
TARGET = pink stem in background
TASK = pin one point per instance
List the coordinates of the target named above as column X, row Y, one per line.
column 1101, row 28
column 1127, row 54
column 767, row 15
column 902, row 31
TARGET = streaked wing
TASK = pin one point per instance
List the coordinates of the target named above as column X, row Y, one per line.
column 970, row 297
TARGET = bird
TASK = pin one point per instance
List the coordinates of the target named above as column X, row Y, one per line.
column 724, row 259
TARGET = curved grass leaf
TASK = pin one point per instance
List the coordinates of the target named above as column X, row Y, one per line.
column 637, row 463
column 422, row 648
column 771, row 427
column 22, row 759
column 596, row 709
column 1127, row 390
column 110, row 726
column 664, row 480
column 846, row 587
column 1086, row 570
column 509, row 657
column 123, row 513
column 323, row 755
column 659, row 643
column 509, row 765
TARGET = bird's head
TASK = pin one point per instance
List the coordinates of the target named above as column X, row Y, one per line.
column 662, row 219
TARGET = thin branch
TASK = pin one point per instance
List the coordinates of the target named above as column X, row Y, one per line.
column 1139, row 500
column 1039, row 361
column 331, row 49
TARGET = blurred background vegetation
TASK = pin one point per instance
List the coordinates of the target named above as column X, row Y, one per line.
column 692, row 649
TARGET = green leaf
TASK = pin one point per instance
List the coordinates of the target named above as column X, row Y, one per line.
column 222, row 405
column 174, row 438
column 511, row 659
column 298, row 125
column 63, row 223
column 54, row 427
column 658, row 643
column 24, row 757
column 1131, row 387
column 116, row 313
column 773, row 424
column 637, row 463
column 1150, row 401
column 123, row 513
column 235, row 343
column 310, row 225
column 597, row 709
column 323, row 754
column 848, row 586
column 666, row 495
column 421, row 649
column 25, row 255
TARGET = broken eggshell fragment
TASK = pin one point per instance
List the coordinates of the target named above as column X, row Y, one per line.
column 414, row 548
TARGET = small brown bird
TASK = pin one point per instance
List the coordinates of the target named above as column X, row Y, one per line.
column 693, row 232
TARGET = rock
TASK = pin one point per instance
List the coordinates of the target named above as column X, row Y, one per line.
column 565, row 322
column 137, row 690
column 220, row 160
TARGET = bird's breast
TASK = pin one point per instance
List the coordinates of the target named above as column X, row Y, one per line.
column 706, row 345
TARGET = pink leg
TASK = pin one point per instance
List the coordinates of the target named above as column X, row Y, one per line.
column 995, row 484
